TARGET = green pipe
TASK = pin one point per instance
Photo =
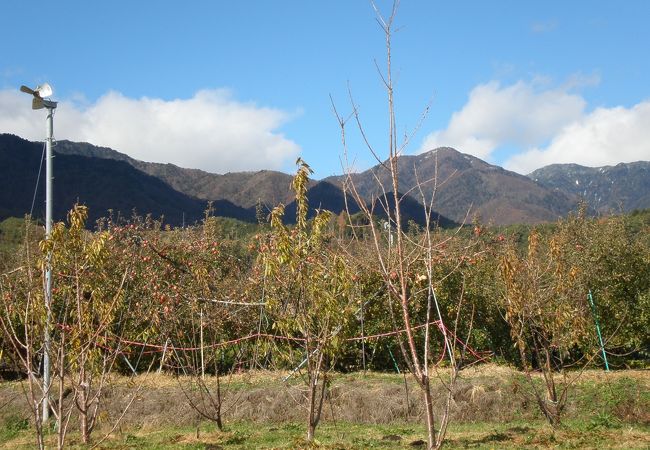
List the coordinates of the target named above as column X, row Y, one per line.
column 600, row 337
column 393, row 358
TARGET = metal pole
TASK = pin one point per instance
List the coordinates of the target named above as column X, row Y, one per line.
column 48, row 268
column 300, row 365
column 162, row 360
column 600, row 337
column 202, row 361
column 363, row 341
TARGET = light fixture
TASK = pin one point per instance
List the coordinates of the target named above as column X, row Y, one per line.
column 40, row 94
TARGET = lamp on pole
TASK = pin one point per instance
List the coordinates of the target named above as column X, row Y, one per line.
column 41, row 101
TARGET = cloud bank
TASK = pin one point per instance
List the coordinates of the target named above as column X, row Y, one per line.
column 547, row 125
column 210, row 131
column 606, row 136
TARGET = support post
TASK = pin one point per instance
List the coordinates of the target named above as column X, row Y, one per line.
column 363, row 340
column 600, row 336
column 202, row 361
column 162, row 360
column 48, row 265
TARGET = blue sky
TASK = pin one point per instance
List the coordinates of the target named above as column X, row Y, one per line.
column 245, row 85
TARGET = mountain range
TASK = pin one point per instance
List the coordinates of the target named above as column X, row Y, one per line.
column 623, row 187
column 463, row 187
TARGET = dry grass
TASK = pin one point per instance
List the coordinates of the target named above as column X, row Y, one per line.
column 606, row 403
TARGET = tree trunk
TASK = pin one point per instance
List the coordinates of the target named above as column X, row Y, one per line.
column 82, row 403
column 218, row 405
column 311, row 431
column 83, row 416
column 428, row 402
column 311, row 419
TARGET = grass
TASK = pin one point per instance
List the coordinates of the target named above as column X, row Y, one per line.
column 605, row 411
column 343, row 435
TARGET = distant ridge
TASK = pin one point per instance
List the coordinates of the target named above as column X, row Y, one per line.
column 102, row 184
column 623, row 187
column 465, row 187
column 244, row 189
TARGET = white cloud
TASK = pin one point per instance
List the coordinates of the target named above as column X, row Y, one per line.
column 210, row 131
column 522, row 114
column 544, row 26
column 606, row 136
column 547, row 124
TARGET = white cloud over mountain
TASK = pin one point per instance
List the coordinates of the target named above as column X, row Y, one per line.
column 606, row 136
column 210, row 131
column 548, row 125
column 520, row 114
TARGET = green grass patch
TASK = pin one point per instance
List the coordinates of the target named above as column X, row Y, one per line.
column 13, row 426
column 343, row 436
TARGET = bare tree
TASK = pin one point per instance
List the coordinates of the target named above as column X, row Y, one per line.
column 22, row 320
column 198, row 370
column 88, row 289
column 406, row 261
